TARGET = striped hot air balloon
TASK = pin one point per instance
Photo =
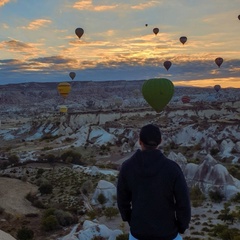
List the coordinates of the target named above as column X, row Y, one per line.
column 64, row 88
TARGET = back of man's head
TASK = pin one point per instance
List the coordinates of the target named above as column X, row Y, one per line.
column 150, row 136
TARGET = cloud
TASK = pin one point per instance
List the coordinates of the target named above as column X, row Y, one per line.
column 3, row 2
column 21, row 49
column 37, row 23
column 145, row 5
column 88, row 5
column 110, row 5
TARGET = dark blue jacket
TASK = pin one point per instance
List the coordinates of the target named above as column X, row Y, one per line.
column 153, row 196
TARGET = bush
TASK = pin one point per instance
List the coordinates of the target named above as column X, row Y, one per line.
column 216, row 196
column 236, row 198
column 124, row 236
column 64, row 218
column 50, row 223
column 101, row 198
column 13, row 159
column 25, row 234
column 45, row 188
column 197, row 197
column 74, row 156
column 111, row 212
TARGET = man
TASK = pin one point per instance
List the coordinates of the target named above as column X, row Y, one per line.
column 152, row 193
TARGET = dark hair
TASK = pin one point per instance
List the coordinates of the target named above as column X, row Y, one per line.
column 150, row 136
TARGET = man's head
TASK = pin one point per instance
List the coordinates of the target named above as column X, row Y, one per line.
column 150, row 136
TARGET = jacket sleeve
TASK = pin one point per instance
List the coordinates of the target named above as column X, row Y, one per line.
column 183, row 206
column 124, row 197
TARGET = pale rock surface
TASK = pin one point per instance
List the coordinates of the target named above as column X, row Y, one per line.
column 108, row 190
column 5, row 236
column 226, row 147
column 91, row 229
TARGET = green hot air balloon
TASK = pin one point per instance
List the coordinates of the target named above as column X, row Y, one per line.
column 158, row 92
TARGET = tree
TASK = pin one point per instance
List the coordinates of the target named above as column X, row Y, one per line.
column 25, row 234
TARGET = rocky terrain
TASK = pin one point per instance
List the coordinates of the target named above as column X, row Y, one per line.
column 202, row 136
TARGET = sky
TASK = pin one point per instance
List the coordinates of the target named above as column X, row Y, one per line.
column 38, row 41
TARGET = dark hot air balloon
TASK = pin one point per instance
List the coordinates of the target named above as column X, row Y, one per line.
column 183, row 39
column 167, row 64
column 156, row 31
column 72, row 75
column 217, row 88
column 79, row 32
column 185, row 99
column 158, row 92
column 238, row 17
column 219, row 61
column 146, row 25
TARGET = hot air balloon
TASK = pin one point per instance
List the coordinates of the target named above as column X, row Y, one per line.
column 167, row 64
column 186, row 99
column 238, row 17
column 158, row 92
column 219, row 61
column 183, row 39
column 64, row 89
column 63, row 109
column 79, row 32
column 146, row 25
column 72, row 75
column 217, row 88
column 156, row 31
column 118, row 101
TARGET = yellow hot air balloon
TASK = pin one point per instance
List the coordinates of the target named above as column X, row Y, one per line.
column 63, row 109
column 64, row 88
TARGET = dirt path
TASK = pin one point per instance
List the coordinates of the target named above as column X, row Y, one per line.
column 12, row 196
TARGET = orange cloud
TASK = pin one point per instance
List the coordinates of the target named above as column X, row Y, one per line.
column 36, row 24
column 88, row 5
column 3, row 2
column 143, row 6
column 224, row 82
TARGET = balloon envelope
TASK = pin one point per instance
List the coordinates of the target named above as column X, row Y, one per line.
column 79, row 32
column 217, row 88
column 186, row 99
column 183, row 39
column 64, row 89
column 146, row 24
column 158, row 92
column 72, row 75
column 219, row 61
column 156, row 31
column 63, row 109
column 167, row 64
column 238, row 17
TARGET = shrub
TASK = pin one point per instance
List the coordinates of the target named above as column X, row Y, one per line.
column 124, row 236
column 216, row 196
column 197, row 197
column 45, row 188
column 74, row 156
column 13, row 159
column 50, row 223
column 111, row 212
column 101, row 198
column 236, row 198
column 64, row 218
column 25, row 234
